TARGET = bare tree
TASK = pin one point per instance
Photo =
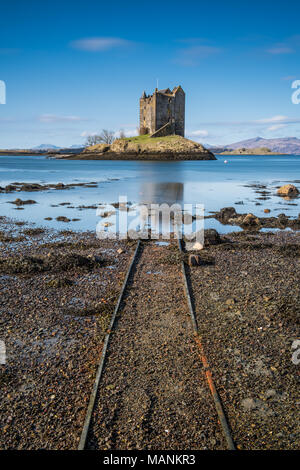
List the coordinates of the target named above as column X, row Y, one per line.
column 107, row 137
column 93, row 139
column 122, row 134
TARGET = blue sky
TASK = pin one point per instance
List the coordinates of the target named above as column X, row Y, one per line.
column 73, row 68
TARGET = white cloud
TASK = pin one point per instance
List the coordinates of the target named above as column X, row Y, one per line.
column 55, row 118
column 97, row 44
column 88, row 133
column 289, row 45
column 128, row 132
column 280, row 50
column 198, row 133
column 277, row 118
column 276, row 127
column 190, row 56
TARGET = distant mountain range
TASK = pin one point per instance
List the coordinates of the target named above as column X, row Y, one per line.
column 45, row 147
column 283, row 145
column 54, row 147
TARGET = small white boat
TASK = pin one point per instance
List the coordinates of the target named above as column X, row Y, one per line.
column 225, row 161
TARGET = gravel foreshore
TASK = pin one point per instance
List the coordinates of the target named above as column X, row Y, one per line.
column 58, row 291
column 53, row 320
column 247, row 301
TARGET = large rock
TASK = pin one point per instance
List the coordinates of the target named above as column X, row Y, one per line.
column 211, row 237
column 20, row 202
column 170, row 144
column 288, row 190
column 194, row 260
column 98, row 148
column 227, row 213
column 251, row 219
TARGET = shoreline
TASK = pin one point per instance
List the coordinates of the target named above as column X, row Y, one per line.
column 272, row 154
column 134, row 156
column 29, row 153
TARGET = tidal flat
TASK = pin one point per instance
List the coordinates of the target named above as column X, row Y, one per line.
column 58, row 292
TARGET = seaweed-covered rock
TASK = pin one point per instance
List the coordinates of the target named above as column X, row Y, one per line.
column 54, row 262
column 288, row 190
column 31, row 187
column 226, row 213
column 251, row 219
column 20, row 202
column 63, row 218
column 10, row 188
column 211, row 237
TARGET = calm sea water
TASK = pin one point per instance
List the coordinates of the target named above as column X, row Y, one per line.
column 212, row 183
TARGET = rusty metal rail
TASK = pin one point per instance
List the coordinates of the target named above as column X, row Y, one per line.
column 88, row 416
column 217, row 401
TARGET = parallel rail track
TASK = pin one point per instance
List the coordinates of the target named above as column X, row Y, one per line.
column 217, row 402
column 88, row 417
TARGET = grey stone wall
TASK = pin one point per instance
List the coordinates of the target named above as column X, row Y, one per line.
column 165, row 111
column 147, row 114
column 179, row 112
column 160, row 108
column 164, row 131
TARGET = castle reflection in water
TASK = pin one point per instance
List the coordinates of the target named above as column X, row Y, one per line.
column 161, row 193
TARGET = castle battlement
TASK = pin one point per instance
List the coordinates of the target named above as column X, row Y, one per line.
column 163, row 112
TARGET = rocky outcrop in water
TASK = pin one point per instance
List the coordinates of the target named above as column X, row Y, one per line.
column 144, row 147
column 229, row 216
column 288, row 190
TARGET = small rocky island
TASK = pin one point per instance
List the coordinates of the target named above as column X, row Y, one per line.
column 144, row 147
column 250, row 151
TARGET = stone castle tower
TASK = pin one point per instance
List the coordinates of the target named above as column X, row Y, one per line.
column 163, row 112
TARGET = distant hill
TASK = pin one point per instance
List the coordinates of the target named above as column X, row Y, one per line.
column 283, row 145
column 54, row 147
column 250, row 151
column 45, row 147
